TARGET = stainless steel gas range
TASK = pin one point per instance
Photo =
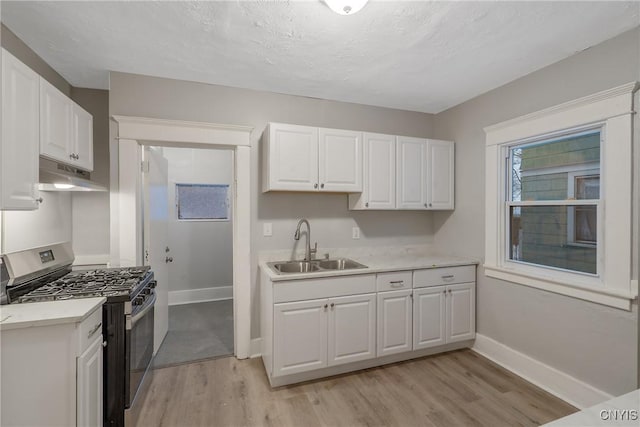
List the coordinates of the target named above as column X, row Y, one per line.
column 45, row 274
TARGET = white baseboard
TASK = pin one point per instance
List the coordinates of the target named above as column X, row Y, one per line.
column 218, row 293
column 255, row 348
column 558, row 383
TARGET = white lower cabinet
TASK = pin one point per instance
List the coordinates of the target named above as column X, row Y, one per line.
column 443, row 314
column 395, row 318
column 324, row 326
column 352, row 329
column 318, row 333
column 89, row 385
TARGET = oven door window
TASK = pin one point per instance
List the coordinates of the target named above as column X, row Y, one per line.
column 140, row 349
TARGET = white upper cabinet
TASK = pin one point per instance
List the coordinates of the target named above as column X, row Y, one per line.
column 303, row 158
column 82, row 133
column 55, row 123
column 339, row 160
column 379, row 167
column 411, row 184
column 290, row 158
column 20, row 135
column 66, row 130
column 440, row 155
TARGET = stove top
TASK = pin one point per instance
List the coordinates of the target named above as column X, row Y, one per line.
column 108, row 282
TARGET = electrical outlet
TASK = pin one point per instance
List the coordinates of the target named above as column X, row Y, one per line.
column 355, row 233
column 267, row 229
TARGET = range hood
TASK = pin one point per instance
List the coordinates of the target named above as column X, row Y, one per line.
column 56, row 176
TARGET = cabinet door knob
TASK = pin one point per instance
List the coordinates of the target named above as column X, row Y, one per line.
column 71, row 156
column 332, row 304
column 366, row 205
column 39, row 200
column 321, row 185
column 315, row 185
column 425, row 205
column 325, row 306
column 429, row 204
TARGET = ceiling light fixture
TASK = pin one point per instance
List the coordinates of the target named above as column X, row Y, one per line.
column 346, row 7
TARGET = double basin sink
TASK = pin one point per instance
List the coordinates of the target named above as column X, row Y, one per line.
column 288, row 267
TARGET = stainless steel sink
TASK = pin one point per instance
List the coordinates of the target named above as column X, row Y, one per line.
column 296, row 266
column 340, row 264
column 289, row 267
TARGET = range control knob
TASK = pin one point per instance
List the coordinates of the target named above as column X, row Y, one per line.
column 138, row 300
column 153, row 284
column 146, row 291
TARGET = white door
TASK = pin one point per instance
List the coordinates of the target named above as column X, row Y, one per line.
column 395, row 320
column 293, row 157
column 299, row 336
column 157, row 249
column 411, row 185
column 429, row 317
column 352, row 329
column 20, row 145
column 461, row 312
column 82, row 138
column 440, row 174
column 55, row 123
column 89, row 386
column 339, row 160
column 379, row 171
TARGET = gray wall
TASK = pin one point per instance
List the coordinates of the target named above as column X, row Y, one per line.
column 594, row 343
column 331, row 221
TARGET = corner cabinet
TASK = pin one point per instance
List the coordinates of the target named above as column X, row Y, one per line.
column 406, row 173
column 303, row 158
column 66, row 129
column 19, row 147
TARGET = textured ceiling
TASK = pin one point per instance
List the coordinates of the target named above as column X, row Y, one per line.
column 418, row 55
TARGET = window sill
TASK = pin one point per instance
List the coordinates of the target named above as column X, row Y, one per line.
column 607, row 297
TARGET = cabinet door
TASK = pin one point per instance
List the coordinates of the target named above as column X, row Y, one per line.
column 340, row 160
column 394, row 322
column 89, row 386
column 82, row 138
column 55, row 123
column 292, row 159
column 352, row 329
column 19, row 147
column 440, row 174
column 379, row 171
column 461, row 312
column 300, row 336
column 429, row 317
column 411, row 185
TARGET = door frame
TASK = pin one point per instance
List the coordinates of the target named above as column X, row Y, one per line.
column 126, row 197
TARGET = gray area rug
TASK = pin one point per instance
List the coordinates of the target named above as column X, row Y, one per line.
column 197, row 331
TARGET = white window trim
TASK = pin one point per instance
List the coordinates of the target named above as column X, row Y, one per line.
column 614, row 109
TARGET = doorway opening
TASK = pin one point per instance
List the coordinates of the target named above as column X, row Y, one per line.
column 188, row 195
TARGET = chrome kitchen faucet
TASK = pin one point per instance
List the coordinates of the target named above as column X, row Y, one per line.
column 308, row 251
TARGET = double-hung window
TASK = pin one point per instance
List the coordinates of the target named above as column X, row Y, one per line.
column 560, row 199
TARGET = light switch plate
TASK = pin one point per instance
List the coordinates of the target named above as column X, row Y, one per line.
column 267, row 229
column 355, row 233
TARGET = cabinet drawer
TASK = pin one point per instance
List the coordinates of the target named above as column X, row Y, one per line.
column 444, row 276
column 90, row 329
column 326, row 287
column 394, row 281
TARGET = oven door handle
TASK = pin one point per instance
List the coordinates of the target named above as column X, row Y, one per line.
column 139, row 315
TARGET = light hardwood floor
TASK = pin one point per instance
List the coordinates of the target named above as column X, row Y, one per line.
column 453, row 389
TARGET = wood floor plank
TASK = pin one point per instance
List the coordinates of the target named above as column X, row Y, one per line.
column 459, row 388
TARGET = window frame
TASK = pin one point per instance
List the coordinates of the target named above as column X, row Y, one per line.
column 571, row 215
column 615, row 284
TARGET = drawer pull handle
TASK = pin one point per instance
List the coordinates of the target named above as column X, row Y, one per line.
column 94, row 330
column 448, row 277
column 397, row 283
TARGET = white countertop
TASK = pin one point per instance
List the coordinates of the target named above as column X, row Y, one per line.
column 15, row 316
column 614, row 412
column 376, row 263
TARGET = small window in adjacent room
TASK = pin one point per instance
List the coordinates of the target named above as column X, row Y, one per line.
column 202, row 202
